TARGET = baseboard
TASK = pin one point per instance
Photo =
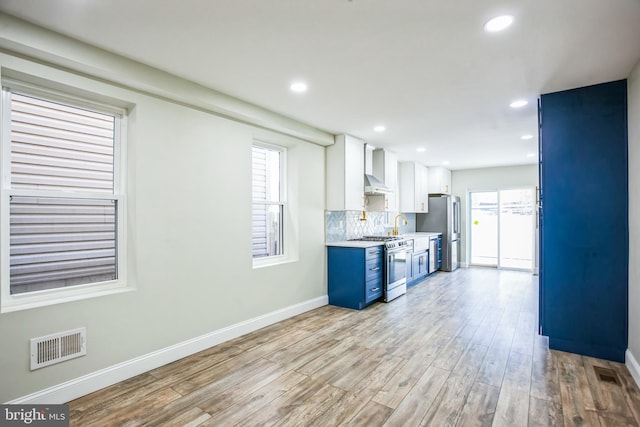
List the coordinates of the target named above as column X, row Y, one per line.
column 89, row 383
column 632, row 366
column 464, row 265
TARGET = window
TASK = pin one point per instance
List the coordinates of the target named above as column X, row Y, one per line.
column 268, row 201
column 62, row 201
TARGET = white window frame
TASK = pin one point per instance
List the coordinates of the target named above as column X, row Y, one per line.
column 285, row 253
column 28, row 300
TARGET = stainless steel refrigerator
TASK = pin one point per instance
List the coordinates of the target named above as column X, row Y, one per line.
column 444, row 217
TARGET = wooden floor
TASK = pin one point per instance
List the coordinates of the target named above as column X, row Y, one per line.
column 459, row 349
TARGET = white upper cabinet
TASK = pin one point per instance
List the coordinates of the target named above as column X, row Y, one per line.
column 385, row 168
column 414, row 187
column 345, row 174
column 439, row 180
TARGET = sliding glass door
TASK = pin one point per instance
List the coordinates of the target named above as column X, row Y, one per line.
column 502, row 228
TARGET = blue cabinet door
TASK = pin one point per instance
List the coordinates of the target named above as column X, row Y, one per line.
column 419, row 267
column 355, row 276
column 584, row 225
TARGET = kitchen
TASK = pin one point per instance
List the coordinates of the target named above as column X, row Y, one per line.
column 188, row 143
column 372, row 180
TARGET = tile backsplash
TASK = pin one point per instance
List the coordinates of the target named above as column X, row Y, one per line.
column 345, row 225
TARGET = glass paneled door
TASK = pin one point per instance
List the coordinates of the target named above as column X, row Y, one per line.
column 484, row 228
column 517, row 228
column 502, row 228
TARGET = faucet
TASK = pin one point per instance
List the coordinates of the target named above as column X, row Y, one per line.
column 395, row 223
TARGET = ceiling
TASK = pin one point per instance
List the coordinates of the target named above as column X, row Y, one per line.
column 424, row 69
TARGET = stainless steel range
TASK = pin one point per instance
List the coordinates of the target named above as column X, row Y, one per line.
column 396, row 264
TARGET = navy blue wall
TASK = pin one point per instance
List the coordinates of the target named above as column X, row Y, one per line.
column 584, row 220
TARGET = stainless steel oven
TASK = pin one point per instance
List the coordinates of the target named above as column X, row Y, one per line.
column 397, row 262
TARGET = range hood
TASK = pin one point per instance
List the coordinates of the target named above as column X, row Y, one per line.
column 374, row 187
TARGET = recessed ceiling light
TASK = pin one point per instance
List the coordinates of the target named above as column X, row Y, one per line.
column 299, row 87
column 498, row 23
column 379, row 128
column 446, row 162
column 531, row 155
column 421, row 149
column 526, row 136
column 519, row 103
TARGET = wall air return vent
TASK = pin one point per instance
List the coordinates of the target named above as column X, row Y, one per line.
column 58, row 347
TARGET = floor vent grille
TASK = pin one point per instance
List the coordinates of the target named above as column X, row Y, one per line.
column 58, row 347
column 606, row 375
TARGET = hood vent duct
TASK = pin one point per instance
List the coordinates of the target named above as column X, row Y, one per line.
column 374, row 187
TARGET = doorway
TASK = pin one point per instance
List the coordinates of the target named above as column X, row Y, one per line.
column 502, row 228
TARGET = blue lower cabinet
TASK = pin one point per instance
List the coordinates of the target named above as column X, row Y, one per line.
column 419, row 265
column 355, row 276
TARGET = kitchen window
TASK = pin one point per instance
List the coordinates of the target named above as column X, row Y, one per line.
column 268, row 208
column 62, row 203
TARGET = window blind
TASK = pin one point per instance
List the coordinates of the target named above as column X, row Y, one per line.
column 259, row 193
column 61, row 240
column 59, row 147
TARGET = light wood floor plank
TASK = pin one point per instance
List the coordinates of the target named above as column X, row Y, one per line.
column 451, row 354
column 219, row 394
column 313, row 407
column 447, row 407
column 545, row 383
column 518, row 372
column 342, row 365
column 544, row 413
column 494, row 364
column 403, row 381
column 525, row 332
column 629, row 388
column 360, row 395
column 373, row 414
column 578, row 407
column 279, row 407
column 418, row 401
column 255, row 401
column 336, row 352
column 459, row 349
column 133, row 411
column 480, row 406
column 221, row 376
column 192, row 418
column 108, row 395
column 608, row 397
column 302, row 352
column 512, row 408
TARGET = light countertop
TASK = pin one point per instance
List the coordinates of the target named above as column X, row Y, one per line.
column 354, row 244
column 361, row 244
column 421, row 234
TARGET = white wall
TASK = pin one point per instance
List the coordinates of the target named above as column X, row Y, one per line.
column 189, row 237
column 465, row 181
column 634, row 217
